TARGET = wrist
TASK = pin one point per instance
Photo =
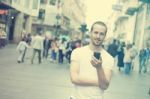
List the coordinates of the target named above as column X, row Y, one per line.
column 99, row 67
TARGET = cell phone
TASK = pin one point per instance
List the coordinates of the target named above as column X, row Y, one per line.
column 97, row 55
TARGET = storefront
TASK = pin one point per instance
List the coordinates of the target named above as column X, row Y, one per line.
column 3, row 25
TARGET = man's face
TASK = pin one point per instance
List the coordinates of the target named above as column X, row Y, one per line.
column 98, row 34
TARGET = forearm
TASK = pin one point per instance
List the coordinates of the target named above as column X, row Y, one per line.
column 85, row 81
column 103, row 82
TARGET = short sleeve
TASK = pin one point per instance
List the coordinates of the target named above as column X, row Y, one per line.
column 75, row 55
column 108, row 62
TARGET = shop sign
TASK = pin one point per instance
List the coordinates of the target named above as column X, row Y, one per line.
column 3, row 12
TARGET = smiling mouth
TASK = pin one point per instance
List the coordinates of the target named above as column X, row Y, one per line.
column 98, row 40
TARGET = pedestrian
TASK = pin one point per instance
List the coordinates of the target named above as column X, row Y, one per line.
column 54, row 50
column 61, row 50
column 120, row 57
column 128, row 58
column 28, row 38
column 22, row 46
column 147, row 51
column 112, row 48
column 142, row 60
column 37, row 45
column 135, row 54
column 68, row 51
column 90, row 75
column 46, row 46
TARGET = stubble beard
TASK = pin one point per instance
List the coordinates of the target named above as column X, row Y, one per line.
column 96, row 44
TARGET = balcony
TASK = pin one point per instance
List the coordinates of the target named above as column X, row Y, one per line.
column 120, row 19
column 131, row 7
column 131, row 11
column 117, row 7
column 145, row 1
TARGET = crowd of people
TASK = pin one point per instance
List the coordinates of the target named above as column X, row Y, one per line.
column 47, row 47
column 56, row 49
column 127, row 54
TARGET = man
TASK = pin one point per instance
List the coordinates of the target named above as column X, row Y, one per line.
column 37, row 45
column 46, row 46
column 91, row 76
column 147, row 66
column 112, row 48
column 134, row 52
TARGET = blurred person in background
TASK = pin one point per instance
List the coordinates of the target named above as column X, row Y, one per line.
column 46, row 46
column 142, row 60
column 120, row 62
column 37, row 45
column 21, row 48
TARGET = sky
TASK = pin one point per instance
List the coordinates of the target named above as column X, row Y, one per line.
column 98, row 10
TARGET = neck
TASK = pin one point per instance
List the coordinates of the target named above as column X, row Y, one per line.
column 95, row 48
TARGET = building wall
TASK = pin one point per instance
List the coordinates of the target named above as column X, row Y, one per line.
column 147, row 27
column 29, row 7
column 23, row 12
column 126, row 26
column 70, row 12
column 47, row 22
column 73, row 10
column 140, row 27
column 130, row 27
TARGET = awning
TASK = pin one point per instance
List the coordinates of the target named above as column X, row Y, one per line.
column 4, row 6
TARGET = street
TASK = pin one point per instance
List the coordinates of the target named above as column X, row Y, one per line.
column 51, row 81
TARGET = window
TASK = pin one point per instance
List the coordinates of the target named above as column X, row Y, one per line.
column 52, row 2
column 16, row 1
column 35, row 4
column 27, row 3
column 43, row 1
column 41, row 14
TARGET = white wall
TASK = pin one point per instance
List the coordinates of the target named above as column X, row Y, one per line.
column 20, row 5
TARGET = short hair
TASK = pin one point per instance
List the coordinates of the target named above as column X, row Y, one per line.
column 100, row 23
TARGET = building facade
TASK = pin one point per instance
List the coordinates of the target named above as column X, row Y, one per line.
column 74, row 10
column 19, row 17
column 60, row 17
column 131, row 23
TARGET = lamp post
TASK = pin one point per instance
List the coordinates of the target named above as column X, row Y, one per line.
column 57, row 23
column 83, row 29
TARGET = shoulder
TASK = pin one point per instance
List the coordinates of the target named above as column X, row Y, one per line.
column 107, row 55
column 108, row 60
column 21, row 42
column 79, row 51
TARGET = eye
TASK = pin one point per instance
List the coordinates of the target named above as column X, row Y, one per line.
column 102, row 33
column 95, row 32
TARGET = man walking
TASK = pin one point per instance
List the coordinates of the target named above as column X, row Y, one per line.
column 37, row 45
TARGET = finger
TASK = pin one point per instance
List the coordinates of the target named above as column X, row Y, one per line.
column 94, row 58
column 93, row 63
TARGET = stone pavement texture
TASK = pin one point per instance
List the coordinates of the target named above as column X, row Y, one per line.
column 51, row 81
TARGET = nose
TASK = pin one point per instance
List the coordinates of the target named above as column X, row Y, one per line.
column 98, row 35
